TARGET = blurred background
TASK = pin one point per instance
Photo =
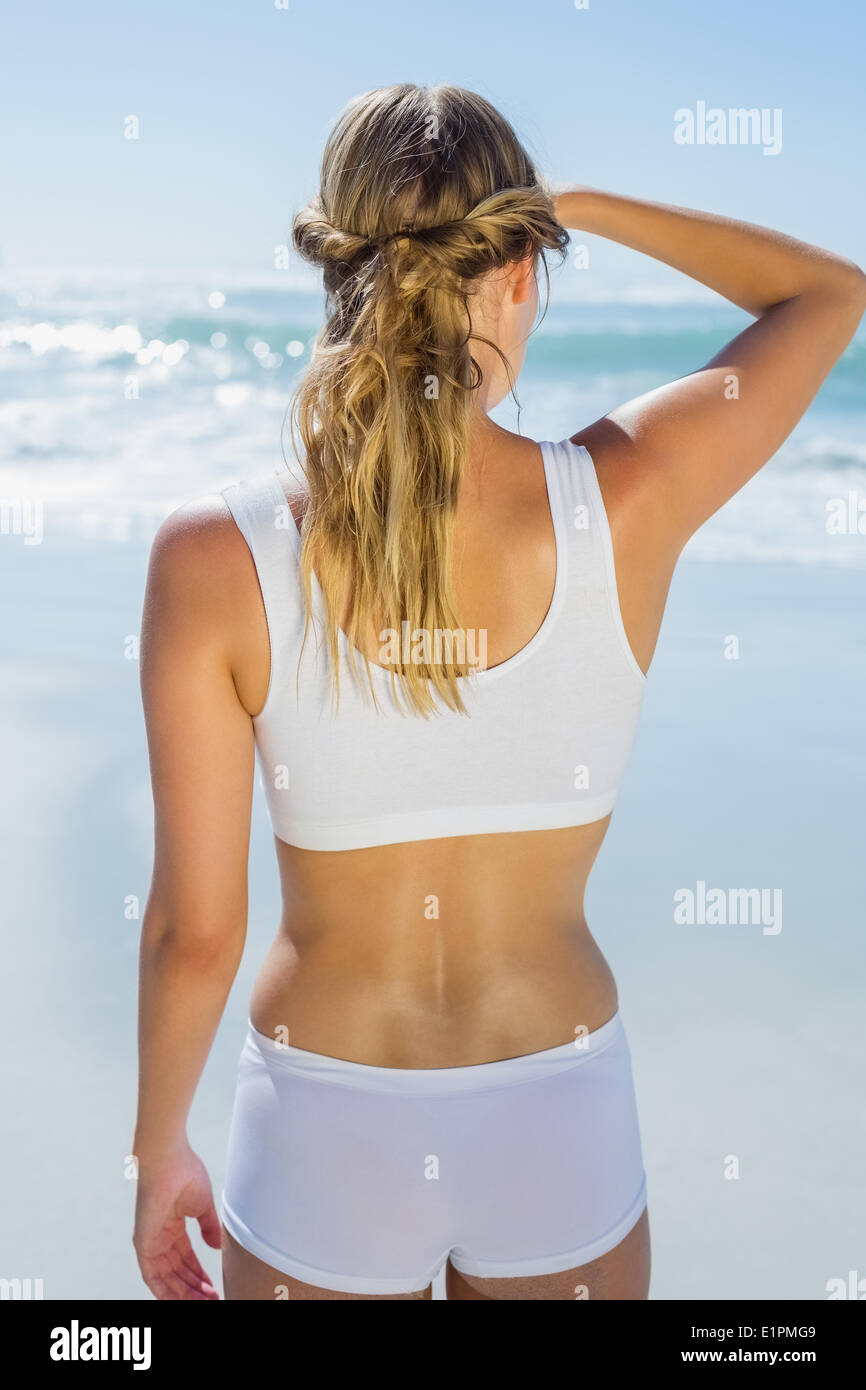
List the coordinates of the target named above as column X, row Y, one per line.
column 152, row 327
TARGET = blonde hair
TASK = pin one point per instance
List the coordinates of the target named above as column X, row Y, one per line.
column 423, row 190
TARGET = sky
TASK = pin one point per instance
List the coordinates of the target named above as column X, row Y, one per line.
column 234, row 99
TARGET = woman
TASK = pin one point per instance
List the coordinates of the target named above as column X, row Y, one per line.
column 438, row 644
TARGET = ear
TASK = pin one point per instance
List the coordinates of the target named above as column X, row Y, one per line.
column 522, row 279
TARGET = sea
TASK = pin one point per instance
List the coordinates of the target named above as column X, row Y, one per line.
column 125, row 395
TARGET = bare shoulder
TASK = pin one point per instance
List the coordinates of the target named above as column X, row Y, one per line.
column 201, row 576
column 617, row 461
column 637, row 510
column 197, row 535
column 199, row 551
column 635, row 493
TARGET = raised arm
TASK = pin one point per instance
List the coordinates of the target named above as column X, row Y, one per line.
column 201, row 751
column 676, row 454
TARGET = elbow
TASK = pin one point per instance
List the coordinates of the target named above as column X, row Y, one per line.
column 193, row 944
column 852, row 300
column 839, row 297
column 860, row 284
column 851, row 281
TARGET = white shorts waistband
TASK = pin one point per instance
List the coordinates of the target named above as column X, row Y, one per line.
column 483, row 1076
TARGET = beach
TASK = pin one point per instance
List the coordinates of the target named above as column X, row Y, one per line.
column 745, row 1043
column 747, row 775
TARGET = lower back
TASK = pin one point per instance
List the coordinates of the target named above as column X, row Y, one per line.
column 446, row 952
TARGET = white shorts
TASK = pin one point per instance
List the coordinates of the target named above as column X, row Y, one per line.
column 366, row 1179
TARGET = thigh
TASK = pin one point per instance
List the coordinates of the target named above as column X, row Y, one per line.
column 623, row 1273
column 245, row 1277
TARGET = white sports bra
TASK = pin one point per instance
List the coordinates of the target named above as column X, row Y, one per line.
column 548, row 732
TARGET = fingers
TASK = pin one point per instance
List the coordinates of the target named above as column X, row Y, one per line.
column 210, row 1227
column 193, row 1285
column 172, row 1277
column 203, row 1288
column 158, row 1287
column 193, row 1264
column 185, row 1265
column 165, row 1284
column 169, row 1287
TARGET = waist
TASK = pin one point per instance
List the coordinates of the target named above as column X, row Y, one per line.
column 587, row 1045
column 426, row 1006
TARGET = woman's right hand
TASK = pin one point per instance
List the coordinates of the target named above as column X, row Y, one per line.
column 170, row 1190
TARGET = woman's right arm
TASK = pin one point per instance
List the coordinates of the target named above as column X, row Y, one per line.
column 676, row 454
column 200, row 740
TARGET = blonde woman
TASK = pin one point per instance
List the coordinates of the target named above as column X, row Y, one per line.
column 438, row 643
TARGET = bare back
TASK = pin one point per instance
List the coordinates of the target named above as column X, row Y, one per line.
column 463, row 949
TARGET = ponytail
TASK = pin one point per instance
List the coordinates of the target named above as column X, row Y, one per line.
column 383, row 412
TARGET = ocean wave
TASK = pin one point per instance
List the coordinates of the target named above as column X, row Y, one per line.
column 127, row 398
